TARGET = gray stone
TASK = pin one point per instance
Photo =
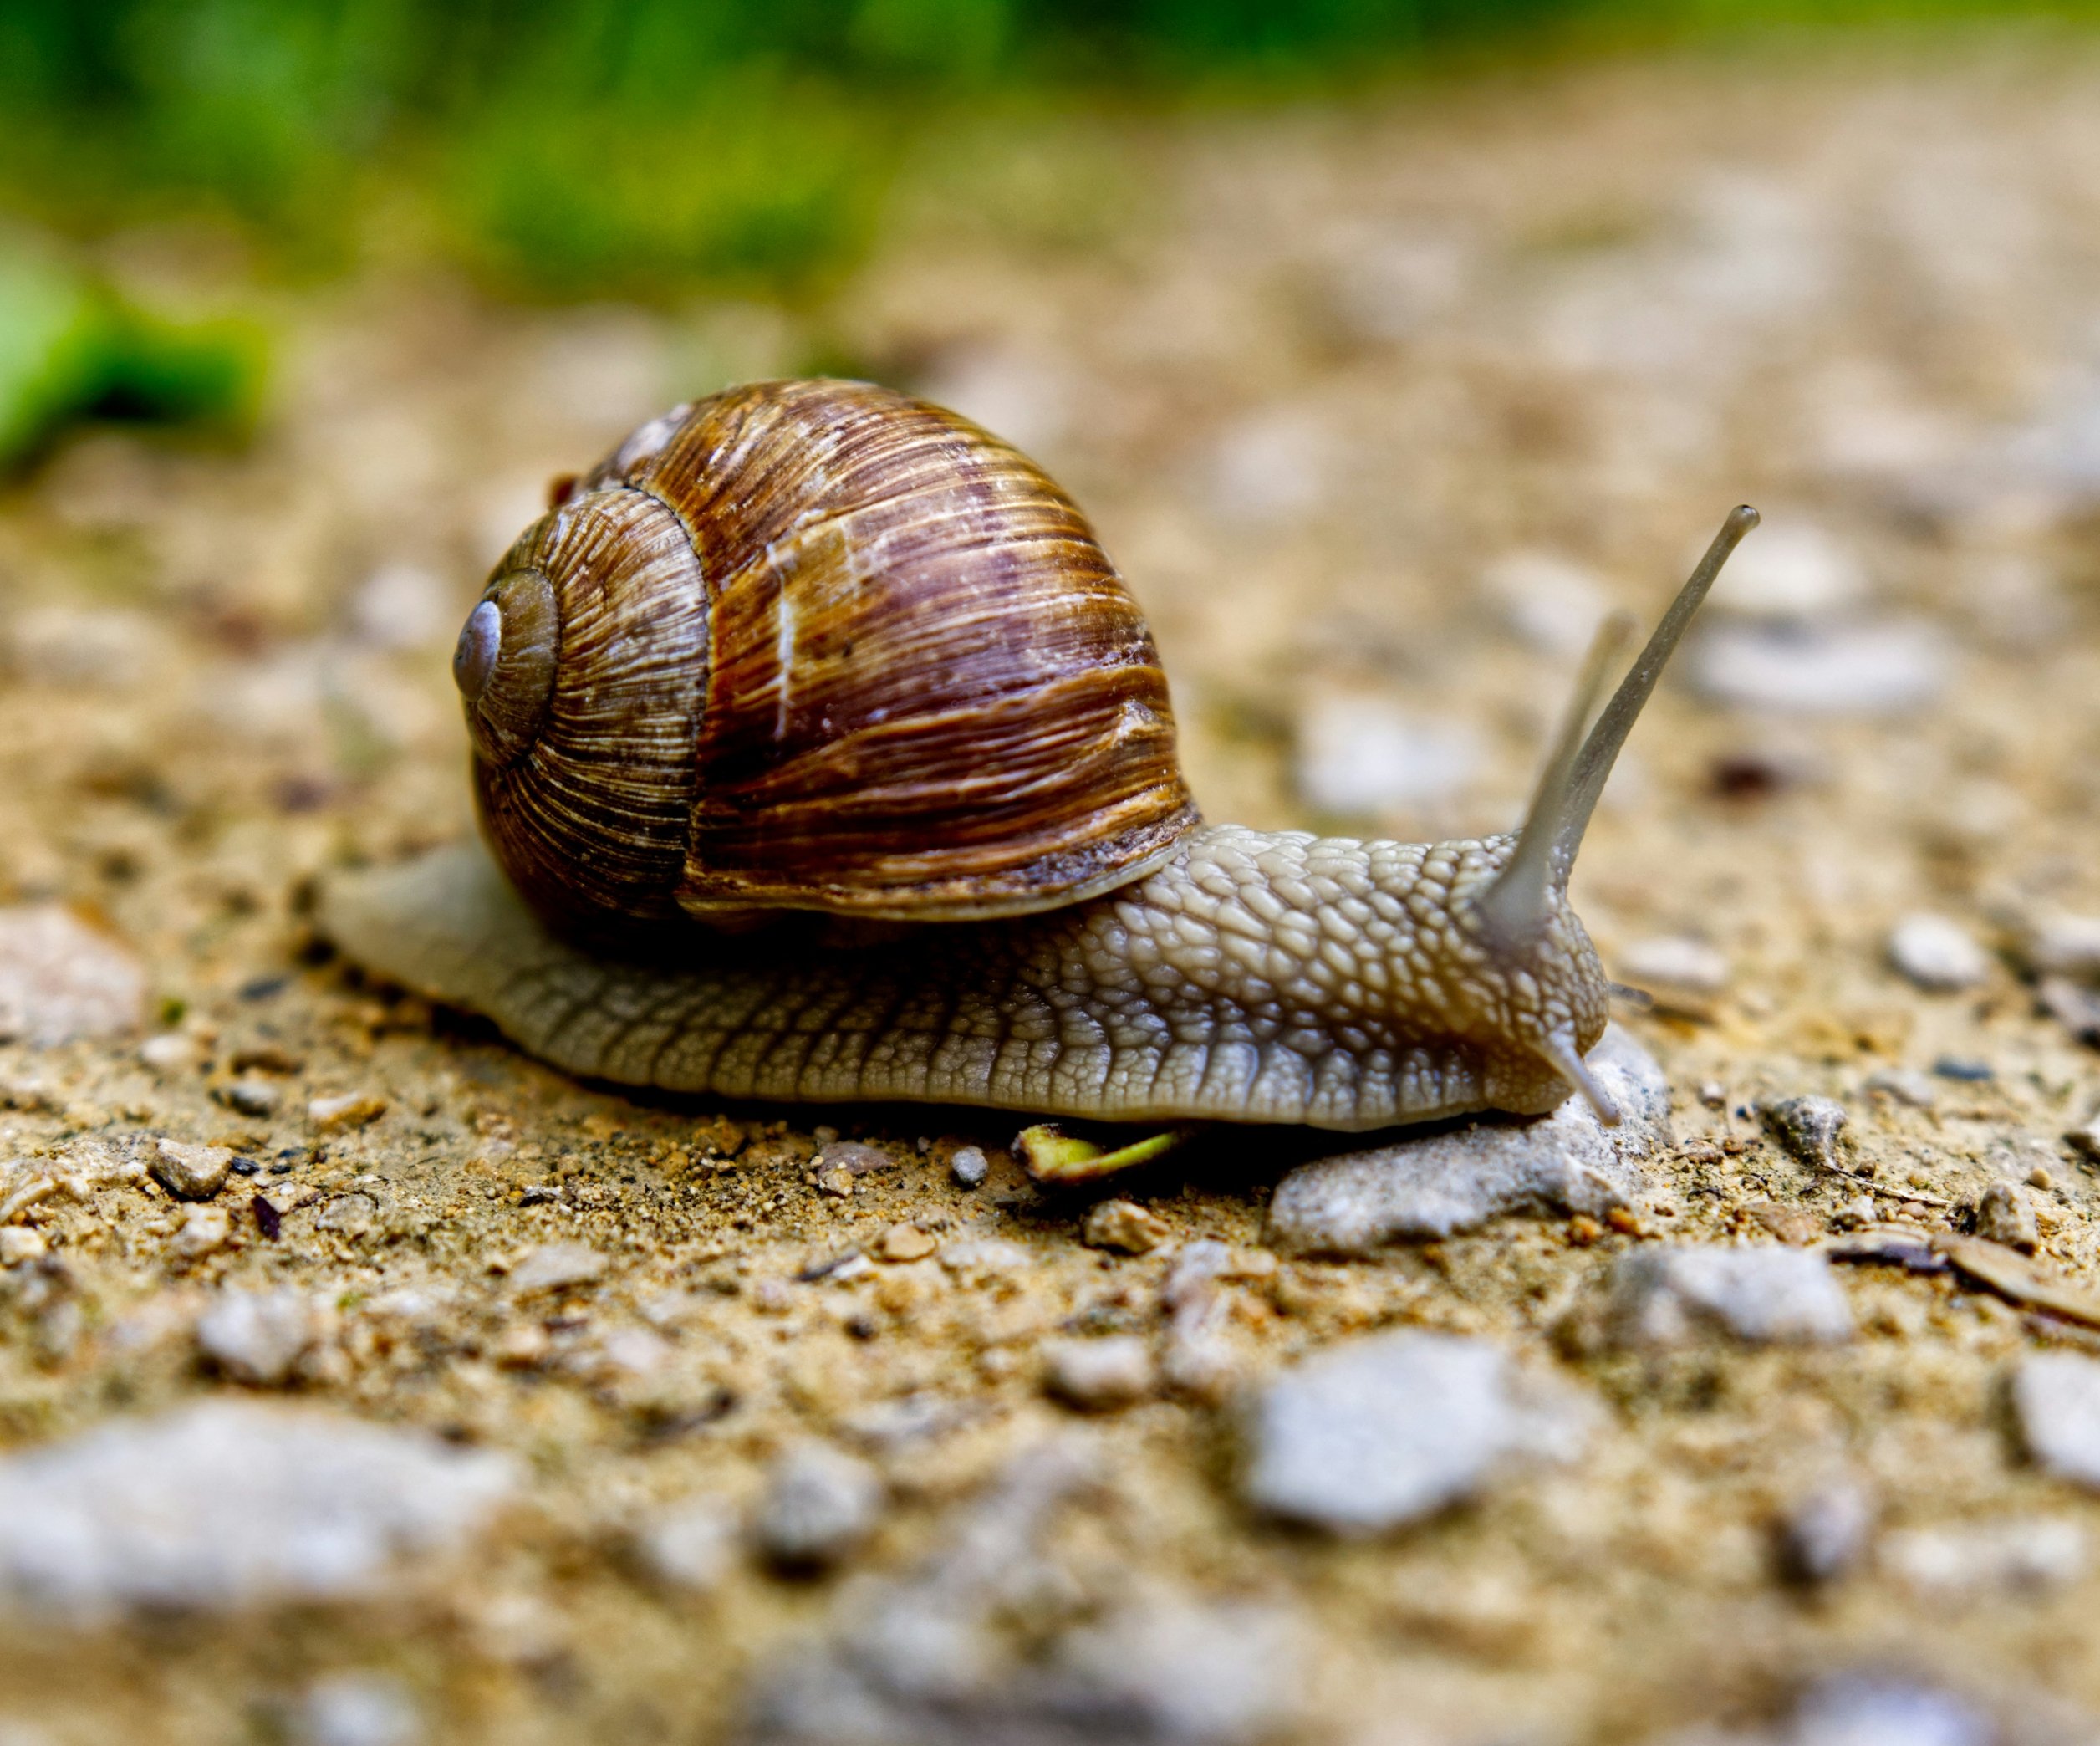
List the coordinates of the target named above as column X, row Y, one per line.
column 2005, row 1215
column 251, row 1095
column 228, row 1504
column 820, row 1504
column 1443, row 1183
column 1894, row 667
column 1852, row 1711
column 1826, row 1533
column 1793, row 571
column 355, row 1709
column 1360, row 754
column 970, row 1166
column 259, row 1337
column 1766, row 1294
column 2056, row 1400
column 1380, row 1432
column 1552, row 604
column 2063, row 946
column 1807, row 1126
column 1099, row 1374
column 921, row 1660
column 62, row 980
column 556, row 1267
column 689, row 1544
column 1674, row 963
column 1984, row 1560
column 1906, row 1084
column 1938, row 954
column 189, row 1172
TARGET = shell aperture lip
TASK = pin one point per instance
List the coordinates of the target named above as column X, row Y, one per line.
column 480, row 641
column 505, row 663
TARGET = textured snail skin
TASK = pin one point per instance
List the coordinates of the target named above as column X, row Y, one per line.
column 1255, row 977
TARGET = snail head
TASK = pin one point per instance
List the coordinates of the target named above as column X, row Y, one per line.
column 1520, row 915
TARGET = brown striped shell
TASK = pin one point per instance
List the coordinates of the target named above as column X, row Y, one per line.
column 815, row 646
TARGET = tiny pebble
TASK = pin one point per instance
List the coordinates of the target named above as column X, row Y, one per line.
column 251, row 1095
column 1667, row 963
column 1099, row 1374
column 1856, row 1213
column 851, row 1156
column 2056, row 1400
column 970, row 1166
column 61, row 980
column 169, row 1052
column 1873, row 1710
column 205, row 1230
column 1668, row 1296
column 2039, row 1178
column 1794, row 570
column 189, row 1172
column 356, row 1709
column 1793, row 1225
column 351, row 1110
column 1381, row 1431
column 227, row 1504
column 819, row 1505
column 905, row 1242
column 2008, row 1555
column 19, row 1243
column 1894, row 667
column 1361, row 755
column 2005, row 1215
column 258, row 1337
column 1906, row 1084
column 1825, row 1533
column 524, row 1347
column 2064, row 945
column 1807, row 1126
column 556, row 1267
column 1938, row 954
column 984, row 1254
column 689, row 1544
column 1965, row 1068
column 1123, row 1225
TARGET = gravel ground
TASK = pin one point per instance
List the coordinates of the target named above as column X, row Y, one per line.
column 409, row 1391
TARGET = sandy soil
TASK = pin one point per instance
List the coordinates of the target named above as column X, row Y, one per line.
column 1317, row 377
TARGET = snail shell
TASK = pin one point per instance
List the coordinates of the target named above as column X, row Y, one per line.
column 816, row 645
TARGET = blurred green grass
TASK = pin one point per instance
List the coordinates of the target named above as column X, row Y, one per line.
column 636, row 147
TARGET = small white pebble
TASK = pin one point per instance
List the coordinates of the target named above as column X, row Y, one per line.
column 1098, row 1375
column 19, row 1243
column 350, row 1109
column 970, row 1166
column 2064, row 945
column 169, row 1052
column 1906, row 1084
column 205, row 1230
column 189, row 1172
column 1937, row 953
column 820, row 1504
column 1675, row 961
column 689, row 1544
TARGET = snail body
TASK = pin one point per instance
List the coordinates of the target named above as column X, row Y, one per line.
column 653, row 749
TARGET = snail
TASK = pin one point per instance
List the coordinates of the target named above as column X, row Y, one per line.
column 819, row 652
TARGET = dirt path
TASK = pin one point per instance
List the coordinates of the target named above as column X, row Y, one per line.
column 1375, row 413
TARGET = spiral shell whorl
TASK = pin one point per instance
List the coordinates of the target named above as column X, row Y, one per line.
column 583, row 729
